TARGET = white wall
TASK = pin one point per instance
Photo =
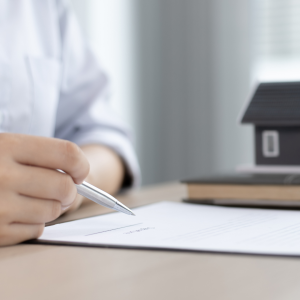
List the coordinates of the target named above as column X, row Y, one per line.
column 193, row 78
column 108, row 26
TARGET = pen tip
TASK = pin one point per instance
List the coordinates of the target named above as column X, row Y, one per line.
column 122, row 208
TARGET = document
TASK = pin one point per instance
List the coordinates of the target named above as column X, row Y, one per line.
column 183, row 226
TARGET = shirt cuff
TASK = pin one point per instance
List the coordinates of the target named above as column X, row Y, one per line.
column 117, row 142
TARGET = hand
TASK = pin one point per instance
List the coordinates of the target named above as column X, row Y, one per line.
column 32, row 191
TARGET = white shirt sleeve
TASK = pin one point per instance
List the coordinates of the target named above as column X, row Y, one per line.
column 84, row 115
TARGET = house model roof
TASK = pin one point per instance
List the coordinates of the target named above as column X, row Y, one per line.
column 274, row 103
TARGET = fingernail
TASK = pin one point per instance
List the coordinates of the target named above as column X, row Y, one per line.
column 63, row 208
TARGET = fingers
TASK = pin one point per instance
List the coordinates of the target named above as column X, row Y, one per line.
column 50, row 153
column 32, row 191
column 17, row 233
column 33, row 210
column 46, row 184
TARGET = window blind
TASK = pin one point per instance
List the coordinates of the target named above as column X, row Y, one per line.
column 276, row 29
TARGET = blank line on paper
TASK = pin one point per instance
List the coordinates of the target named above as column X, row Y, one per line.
column 113, row 229
column 289, row 235
column 245, row 221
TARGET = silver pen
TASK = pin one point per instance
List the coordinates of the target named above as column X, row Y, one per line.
column 91, row 192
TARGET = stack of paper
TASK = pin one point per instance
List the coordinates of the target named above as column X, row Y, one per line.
column 183, row 226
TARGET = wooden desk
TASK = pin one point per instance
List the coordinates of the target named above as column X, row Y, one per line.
column 59, row 272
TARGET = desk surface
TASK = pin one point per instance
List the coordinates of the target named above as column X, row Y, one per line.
column 60, row 272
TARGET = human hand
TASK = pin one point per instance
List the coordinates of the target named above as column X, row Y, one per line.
column 32, row 191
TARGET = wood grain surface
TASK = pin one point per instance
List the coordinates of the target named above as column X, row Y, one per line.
column 240, row 191
column 61, row 272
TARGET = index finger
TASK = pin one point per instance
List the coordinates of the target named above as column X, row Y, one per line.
column 51, row 153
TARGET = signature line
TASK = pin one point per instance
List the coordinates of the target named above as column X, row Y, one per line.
column 113, row 229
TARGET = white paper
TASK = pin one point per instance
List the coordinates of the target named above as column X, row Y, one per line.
column 182, row 226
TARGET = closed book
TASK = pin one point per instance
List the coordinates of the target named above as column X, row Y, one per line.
column 246, row 189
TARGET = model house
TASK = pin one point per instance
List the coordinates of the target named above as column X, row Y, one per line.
column 274, row 109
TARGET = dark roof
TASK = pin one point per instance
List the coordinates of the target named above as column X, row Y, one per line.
column 274, row 103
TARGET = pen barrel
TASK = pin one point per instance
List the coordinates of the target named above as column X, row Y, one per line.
column 94, row 195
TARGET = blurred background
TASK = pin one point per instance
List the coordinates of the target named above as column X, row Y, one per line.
column 181, row 71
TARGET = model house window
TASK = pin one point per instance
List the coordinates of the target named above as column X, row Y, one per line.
column 270, row 143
